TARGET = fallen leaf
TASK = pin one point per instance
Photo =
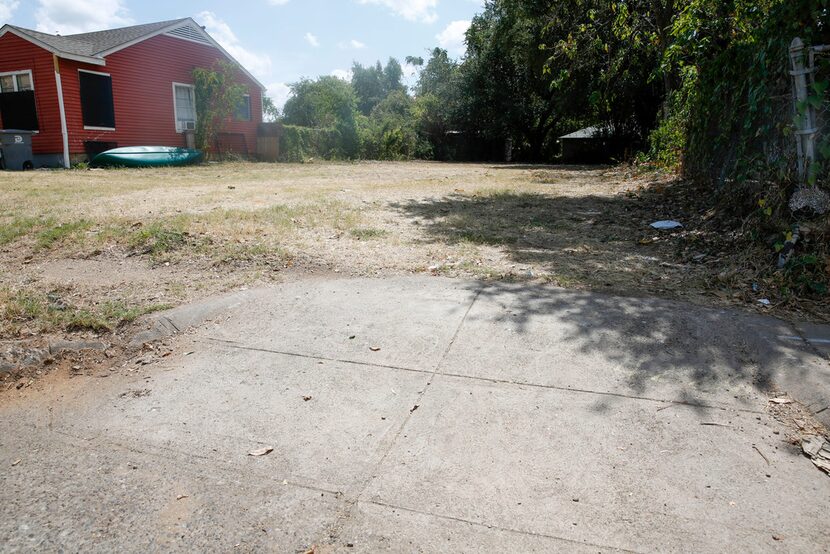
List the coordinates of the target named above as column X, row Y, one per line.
column 261, row 451
column 182, row 497
column 374, row 348
column 781, row 400
column 307, row 398
column 16, row 462
column 415, row 407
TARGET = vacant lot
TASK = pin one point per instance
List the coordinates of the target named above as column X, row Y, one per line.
column 87, row 251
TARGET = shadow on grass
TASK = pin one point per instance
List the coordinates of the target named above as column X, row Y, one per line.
column 590, row 241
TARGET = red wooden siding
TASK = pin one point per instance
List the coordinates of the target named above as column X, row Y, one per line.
column 142, row 85
column 17, row 54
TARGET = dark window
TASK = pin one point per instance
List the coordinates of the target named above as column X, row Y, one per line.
column 243, row 110
column 17, row 110
column 96, row 100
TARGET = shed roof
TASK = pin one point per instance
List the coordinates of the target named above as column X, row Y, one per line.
column 587, row 133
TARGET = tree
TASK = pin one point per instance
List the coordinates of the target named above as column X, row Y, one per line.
column 270, row 111
column 327, row 102
column 218, row 94
column 438, row 102
column 374, row 83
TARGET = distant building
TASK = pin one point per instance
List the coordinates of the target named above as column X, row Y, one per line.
column 591, row 145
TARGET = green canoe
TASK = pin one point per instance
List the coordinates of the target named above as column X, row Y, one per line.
column 147, row 156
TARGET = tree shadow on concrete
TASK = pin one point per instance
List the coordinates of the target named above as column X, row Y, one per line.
column 596, row 243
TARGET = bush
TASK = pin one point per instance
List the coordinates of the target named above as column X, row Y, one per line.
column 299, row 144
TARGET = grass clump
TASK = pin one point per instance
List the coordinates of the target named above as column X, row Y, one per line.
column 47, row 313
column 159, row 238
column 19, row 227
column 53, row 234
column 368, row 233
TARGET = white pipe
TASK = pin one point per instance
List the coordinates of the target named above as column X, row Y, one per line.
column 64, row 130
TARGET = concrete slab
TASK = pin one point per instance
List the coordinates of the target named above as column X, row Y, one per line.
column 606, row 471
column 380, row 528
column 71, row 494
column 633, row 346
column 221, row 403
column 528, row 419
column 410, row 320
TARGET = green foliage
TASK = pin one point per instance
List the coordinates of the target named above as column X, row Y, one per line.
column 389, row 132
column 301, row 144
column 217, row 96
column 374, row 83
column 270, row 111
column 740, row 111
column 326, row 103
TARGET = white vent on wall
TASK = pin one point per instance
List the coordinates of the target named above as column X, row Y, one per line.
column 188, row 33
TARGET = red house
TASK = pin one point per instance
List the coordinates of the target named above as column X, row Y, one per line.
column 89, row 92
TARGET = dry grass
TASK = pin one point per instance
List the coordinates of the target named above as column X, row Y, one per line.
column 138, row 239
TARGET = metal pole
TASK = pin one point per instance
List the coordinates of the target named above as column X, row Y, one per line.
column 805, row 119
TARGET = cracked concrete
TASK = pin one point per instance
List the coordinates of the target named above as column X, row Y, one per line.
column 426, row 415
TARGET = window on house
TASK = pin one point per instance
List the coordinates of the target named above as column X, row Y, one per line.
column 97, row 106
column 243, row 110
column 17, row 101
column 184, row 97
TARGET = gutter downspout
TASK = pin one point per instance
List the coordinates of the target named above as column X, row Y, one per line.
column 64, row 130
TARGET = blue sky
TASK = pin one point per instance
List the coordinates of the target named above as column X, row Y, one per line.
column 279, row 41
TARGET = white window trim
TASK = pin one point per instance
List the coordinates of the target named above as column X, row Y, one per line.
column 19, row 72
column 92, row 127
column 176, row 109
column 14, row 81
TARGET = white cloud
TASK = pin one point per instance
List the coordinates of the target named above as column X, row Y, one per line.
column 80, row 16
column 452, row 37
column 352, row 45
column 256, row 63
column 312, row 40
column 7, row 8
column 279, row 93
column 413, row 10
column 346, row 75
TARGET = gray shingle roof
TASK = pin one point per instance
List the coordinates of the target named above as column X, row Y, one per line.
column 93, row 44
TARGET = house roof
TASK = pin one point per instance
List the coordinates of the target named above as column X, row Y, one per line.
column 94, row 47
column 98, row 42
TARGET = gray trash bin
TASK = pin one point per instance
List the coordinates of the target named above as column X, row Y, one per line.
column 16, row 149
